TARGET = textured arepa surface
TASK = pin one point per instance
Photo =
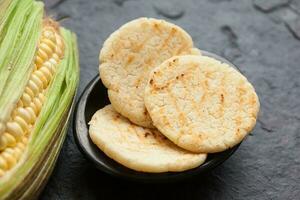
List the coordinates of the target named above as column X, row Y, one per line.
column 201, row 104
column 138, row 148
column 130, row 53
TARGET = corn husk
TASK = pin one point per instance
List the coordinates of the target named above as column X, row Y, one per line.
column 20, row 28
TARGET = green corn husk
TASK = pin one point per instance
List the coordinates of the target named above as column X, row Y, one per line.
column 3, row 7
column 20, row 28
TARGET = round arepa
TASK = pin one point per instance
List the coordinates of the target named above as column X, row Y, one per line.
column 138, row 148
column 201, row 104
column 128, row 56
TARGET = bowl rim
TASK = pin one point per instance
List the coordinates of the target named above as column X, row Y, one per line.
column 79, row 120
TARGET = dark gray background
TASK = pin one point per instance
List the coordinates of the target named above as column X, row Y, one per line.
column 261, row 37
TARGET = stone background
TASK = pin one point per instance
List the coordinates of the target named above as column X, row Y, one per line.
column 262, row 37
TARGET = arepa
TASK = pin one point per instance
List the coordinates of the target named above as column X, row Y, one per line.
column 138, row 148
column 201, row 104
column 130, row 53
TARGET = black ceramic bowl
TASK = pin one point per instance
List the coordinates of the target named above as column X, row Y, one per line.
column 94, row 98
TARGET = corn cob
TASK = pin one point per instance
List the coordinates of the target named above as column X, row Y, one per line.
column 18, row 128
column 38, row 80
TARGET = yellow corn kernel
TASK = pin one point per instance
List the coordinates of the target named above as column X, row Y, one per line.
column 7, row 140
column 23, row 117
column 9, row 158
column 3, row 163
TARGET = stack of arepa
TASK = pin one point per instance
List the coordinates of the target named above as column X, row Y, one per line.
column 170, row 105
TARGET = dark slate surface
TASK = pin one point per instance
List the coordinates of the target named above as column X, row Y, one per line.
column 262, row 37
